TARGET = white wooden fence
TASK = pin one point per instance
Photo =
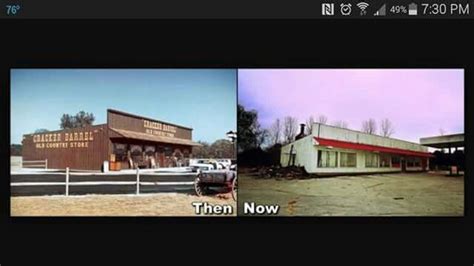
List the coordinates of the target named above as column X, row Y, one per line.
column 35, row 163
column 137, row 182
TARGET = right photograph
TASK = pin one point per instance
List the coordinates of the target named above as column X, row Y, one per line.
column 351, row 142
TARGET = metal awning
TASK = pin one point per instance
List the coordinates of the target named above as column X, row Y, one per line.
column 367, row 147
column 143, row 136
column 444, row 141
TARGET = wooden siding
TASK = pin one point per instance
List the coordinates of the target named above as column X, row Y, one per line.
column 120, row 120
column 61, row 153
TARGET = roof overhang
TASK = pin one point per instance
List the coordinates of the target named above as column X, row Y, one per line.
column 147, row 137
column 444, row 141
column 366, row 147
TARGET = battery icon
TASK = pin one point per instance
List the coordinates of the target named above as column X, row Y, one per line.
column 412, row 9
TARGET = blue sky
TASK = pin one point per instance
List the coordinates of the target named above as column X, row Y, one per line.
column 204, row 99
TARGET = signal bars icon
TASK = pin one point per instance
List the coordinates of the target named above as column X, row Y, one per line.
column 363, row 6
column 381, row 11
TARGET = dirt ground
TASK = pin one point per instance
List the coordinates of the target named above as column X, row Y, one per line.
column 403, row 194
column 161, row 204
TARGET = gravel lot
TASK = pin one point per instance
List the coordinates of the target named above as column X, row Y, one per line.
column 161, row 204
column 404, row 194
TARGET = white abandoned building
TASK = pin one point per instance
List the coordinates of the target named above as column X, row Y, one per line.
column 334, row 150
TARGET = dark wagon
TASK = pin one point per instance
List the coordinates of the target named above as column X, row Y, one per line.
column 216, row 178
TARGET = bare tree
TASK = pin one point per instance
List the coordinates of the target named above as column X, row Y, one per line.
column 290, row 125
column 262, row 137
column 442, row 131
column 340, row 123
column 369, row 126
column 276, row 132
column 309, row 125
column 386, row 128
column 322, row 119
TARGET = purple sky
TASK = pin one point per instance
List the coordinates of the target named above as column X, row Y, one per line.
column 418, row 101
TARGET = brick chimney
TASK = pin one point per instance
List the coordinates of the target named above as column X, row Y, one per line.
column 301, row 134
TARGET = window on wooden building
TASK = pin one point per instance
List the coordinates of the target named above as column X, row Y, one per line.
column 120, row 151
column 149, row 150
column 136, row 149
column 168, row 151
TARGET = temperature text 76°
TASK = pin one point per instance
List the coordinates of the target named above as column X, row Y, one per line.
column 12, row 9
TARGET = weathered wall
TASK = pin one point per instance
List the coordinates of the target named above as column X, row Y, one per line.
column 306, row 154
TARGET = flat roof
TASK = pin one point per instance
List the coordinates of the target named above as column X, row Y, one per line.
column 367, row 134
column 444, row 141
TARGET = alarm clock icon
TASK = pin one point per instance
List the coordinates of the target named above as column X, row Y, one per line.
column 346, row 9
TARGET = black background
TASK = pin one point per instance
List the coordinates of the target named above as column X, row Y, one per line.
column 229, row 43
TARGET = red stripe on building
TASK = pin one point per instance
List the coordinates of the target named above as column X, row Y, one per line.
column 367, row 147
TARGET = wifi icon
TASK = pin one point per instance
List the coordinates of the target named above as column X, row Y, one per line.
column 363, row 6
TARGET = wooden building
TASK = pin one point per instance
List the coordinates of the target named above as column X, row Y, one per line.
column 125, row 141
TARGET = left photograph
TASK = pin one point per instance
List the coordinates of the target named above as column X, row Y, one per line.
column 123, row 142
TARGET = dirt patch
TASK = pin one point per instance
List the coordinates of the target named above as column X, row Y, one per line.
column 407, row 194
column 162, row 204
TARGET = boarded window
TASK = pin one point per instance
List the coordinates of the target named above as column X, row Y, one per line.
column 327, row 158
column 371, row 160
column 348, row 159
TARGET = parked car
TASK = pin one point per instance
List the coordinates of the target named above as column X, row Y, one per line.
column 201, row 166
column 218, row 164
column 226, row 163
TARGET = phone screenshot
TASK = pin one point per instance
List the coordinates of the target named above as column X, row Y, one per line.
column 212, row 131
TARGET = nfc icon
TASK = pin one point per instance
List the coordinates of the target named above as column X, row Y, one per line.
column 327, row 9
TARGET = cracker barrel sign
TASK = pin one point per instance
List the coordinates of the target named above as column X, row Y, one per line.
column 159, row 129
column 63, row 140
